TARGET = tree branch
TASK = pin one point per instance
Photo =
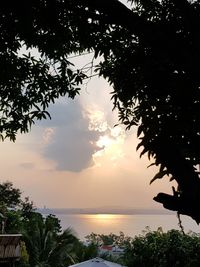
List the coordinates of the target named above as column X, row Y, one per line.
column 117, row 13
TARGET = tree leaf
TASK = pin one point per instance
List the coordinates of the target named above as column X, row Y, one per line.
column 159, row 175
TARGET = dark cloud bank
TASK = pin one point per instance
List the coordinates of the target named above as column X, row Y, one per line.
column 72, row 145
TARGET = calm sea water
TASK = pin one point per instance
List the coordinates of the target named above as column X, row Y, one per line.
column 131, row 225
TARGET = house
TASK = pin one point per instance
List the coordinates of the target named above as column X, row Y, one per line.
column 9, row 249
column 112, row 250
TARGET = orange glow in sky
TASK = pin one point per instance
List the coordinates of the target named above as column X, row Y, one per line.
column 79, row 159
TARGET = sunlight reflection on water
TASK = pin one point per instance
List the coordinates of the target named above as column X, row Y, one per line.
column 104, row 221
column 131, row 225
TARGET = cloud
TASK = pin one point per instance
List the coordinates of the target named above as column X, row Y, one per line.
column 27, row 165
column 97, row 121
column 67, row 138
column 79, row 129
column 47, row 135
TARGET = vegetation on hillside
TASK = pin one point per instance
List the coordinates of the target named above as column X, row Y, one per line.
column 44, row 243
column 153, row 248
column 159, row 249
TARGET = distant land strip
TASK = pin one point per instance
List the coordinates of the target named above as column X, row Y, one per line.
column 130, row 211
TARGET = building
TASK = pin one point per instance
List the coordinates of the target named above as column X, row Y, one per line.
column 9, row 249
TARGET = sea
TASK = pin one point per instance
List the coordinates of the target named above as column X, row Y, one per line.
column 130, row 225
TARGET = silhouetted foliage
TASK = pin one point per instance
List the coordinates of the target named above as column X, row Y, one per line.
column 9, row 196
column 120, row 240
column 153, row 248
column 13, row 209
column 149, row 55
column 27, row 207
column 46, row 244
column 85, row 252
column 43, row 241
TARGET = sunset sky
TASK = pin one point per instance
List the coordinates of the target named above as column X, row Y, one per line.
column 79, row 159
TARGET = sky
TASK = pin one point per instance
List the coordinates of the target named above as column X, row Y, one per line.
column 79, row 158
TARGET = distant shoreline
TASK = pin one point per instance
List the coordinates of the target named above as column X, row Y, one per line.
column 85, row 211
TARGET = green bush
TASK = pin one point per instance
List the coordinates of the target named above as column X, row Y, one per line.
column 156, row 248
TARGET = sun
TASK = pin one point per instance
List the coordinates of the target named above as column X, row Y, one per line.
column 109, row 142
column 109, row 148
column 104, row 141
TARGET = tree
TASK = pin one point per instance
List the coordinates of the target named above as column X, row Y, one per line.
column 85, row 252
column 9, row 196
column 45, row 244
column 13, row 210
column 43, row 241
column 150, row 56
column 156, row 248
column 112, row 239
